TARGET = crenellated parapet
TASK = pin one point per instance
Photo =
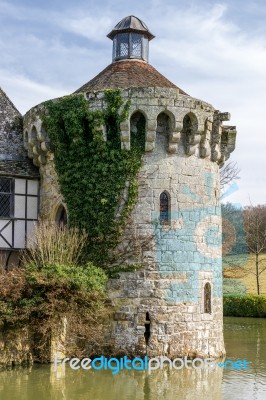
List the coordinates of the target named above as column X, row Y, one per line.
column 193, row 127
column 35, row 138
column 222, row 138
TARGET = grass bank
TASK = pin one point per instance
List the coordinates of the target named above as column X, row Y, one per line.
column 240, row 290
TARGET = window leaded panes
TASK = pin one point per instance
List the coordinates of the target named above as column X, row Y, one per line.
column 6, row 197
column 136, row 45
column 130, row 45
column 122, row 45
column 164, row 208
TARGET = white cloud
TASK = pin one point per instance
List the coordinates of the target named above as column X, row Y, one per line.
column 92, row 28
column 199, row 46
column 27, row 92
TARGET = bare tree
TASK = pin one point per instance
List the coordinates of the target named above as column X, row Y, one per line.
column 244, row 233
column 234, row 248
column 229, row 173
column 255, row 229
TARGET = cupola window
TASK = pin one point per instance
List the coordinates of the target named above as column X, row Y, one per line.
column 130, row 39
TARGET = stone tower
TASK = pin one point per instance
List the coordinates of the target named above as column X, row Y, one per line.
column 173, row 306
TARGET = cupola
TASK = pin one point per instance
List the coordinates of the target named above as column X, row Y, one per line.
column 130, row 38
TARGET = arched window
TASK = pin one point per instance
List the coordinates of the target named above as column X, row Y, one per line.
column 164, row 208
column 61, row 216
column 207, row 298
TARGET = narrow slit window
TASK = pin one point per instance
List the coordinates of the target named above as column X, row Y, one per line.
column 164, row 208
column 207, row 298
column 147, row 333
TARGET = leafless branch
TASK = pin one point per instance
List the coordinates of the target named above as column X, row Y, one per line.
column 229, row 173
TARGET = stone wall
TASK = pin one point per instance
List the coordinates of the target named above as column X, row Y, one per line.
column 13, row 157
column 10, row 134
column 37, row 144
column 171, row 289
column 185, row 253
column 15, row 348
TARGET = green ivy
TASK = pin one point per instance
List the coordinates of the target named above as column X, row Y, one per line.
column 93, row 173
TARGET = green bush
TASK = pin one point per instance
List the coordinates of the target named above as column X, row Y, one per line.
column 54, row 284
column 86, row 277
column 245, row 306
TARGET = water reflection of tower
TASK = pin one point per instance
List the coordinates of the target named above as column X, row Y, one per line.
column 147, row 332
column 147, row 389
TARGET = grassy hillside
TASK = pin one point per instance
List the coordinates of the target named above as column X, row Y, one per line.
column 242, row 269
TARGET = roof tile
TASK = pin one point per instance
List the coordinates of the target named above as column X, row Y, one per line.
column 128, row 74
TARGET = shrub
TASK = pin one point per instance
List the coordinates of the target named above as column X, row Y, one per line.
column 53, row 286
column 245, row 306
column 54, row 244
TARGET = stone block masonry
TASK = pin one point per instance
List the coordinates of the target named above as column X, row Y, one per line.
column 172, row 305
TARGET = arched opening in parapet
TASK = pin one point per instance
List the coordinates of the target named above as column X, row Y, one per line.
column 44, row 139
column 165, row 208
column 163, row 131
column 190, row 127
column 113, row 132
column 207, row 298
column 43, row 133
column 137, row 131
column 61, row 216
column 33, row 135
column 147, row 333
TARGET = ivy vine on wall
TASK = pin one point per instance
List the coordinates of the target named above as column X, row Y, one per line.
column 92, row 172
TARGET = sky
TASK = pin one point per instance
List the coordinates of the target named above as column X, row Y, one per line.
column 214, row 50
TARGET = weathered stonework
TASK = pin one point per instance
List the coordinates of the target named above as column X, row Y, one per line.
column 171, row 289
column 13, row 157
column 184, row 161
column 37, row 144
column 15, row 348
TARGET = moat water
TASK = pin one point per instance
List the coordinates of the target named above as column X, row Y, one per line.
column 245, row 338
